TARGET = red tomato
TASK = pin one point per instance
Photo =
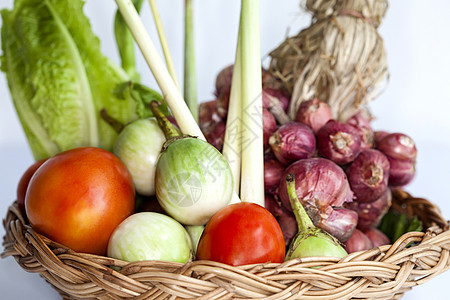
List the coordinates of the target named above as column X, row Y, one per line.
column 23, row 183
column 240, row 234
column 78, row 197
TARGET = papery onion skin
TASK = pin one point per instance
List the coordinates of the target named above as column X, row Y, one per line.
column 223, row 80
column 293, row 141
column 377, row 237
column 362, row 125
column 273, row 170
column 368, row 175
column 358, row 242
column 215, row 134
column 398, row 146
column 272, row 205
column 314, row 113
column 337, row 221
column 319, row 181
column 378, row 136
column 401, row 172
column 269, row 127
column 281, row 95
column 207, row 114
column 338, row 141
column 370, row 214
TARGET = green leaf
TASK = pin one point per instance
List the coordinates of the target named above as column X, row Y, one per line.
column 58, row 78
column 142, row 95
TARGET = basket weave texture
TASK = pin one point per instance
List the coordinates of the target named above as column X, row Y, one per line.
column 385, row 272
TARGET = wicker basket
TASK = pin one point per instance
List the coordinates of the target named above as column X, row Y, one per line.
column 380, row 273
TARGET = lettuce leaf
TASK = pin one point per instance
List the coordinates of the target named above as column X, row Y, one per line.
column 58, row 78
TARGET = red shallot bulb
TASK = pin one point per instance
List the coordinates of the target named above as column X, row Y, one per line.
column 338, row 221
column 314, row 113
column 223, row 80
column 288, row 225
column 215, row 134
column 368, row 175
column 319, row 182
column 280, row 94
column 401, row 172
column 271, row 204
column 223, row 100
column 358, row 242
column 398, row 146
column 378, row 136
column 207, row 114
column 338, row 141
column 370, row 214
column 292, row 141
column 272, row 103
column 362, row 125
column 273, row 170
column 269, row 127
column 377, row 237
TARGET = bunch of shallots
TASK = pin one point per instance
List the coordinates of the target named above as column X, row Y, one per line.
column 344, row 171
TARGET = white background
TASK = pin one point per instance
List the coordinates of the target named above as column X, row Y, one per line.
column 416, row 100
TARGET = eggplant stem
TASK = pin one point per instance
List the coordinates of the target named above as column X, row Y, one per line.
column 165, row 125
column 302, row 218
column 114, row 123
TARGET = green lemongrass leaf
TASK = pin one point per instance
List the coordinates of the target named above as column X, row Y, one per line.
column 169, row 89
column 190, row 81
column 252, row 173
column 125, row 43
column 233, row 132
column 163, row 41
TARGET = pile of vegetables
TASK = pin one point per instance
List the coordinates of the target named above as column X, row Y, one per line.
column 124, row 172
column 344, row 171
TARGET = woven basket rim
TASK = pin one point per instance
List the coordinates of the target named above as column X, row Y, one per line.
column 385, row 272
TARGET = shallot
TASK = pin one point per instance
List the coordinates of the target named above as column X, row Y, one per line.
column 338, row 141
column 314, row 113
column 358, row 242
column 273, row 170
column 401, row 172
column 338, row 221
column 368, row 175
column 319, row 182
column 370, row 214
column 293, row 141
column 377, row 237
column 398, row 146
column 362, row 124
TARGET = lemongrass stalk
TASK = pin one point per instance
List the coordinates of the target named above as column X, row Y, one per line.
column 165, row 82
column 252, row 167
column 163, row 41
column 233, row 139
column 190, row 82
